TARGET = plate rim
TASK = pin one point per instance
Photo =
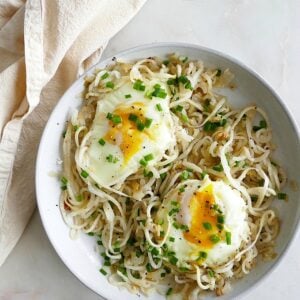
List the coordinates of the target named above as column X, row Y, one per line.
column 156, row 45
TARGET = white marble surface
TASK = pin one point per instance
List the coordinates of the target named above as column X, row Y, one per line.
column 264, row 34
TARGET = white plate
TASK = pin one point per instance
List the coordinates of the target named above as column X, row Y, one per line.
column 80, row 255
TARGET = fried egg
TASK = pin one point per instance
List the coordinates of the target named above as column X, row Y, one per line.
column 132, row 129
column 207, row 222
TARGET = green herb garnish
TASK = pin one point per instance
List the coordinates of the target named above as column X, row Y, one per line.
column 214, row 238
column 282, row 196
column 139, row 85
column 84, row 174
column 103, row 271
column 228, row 237
column 110, row 85
column 101, row 142
column 158, row 107
column 104, row 76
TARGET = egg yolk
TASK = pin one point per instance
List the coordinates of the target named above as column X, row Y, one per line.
column 203, row 229
column 126, row 135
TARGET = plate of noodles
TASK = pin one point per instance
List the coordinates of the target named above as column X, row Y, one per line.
column 176, row 173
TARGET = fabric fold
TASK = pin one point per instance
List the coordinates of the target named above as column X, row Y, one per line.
column 51, row 43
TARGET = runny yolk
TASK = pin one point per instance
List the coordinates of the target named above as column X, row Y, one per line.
column 125, row 134
column 201, row 210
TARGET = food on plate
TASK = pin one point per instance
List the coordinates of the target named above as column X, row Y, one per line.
column 175, row 185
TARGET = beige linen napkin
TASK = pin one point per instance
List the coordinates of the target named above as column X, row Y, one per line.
column 44, row 46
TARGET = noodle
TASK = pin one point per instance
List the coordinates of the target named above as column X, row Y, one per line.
column 208, row 134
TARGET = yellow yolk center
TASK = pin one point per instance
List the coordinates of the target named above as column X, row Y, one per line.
column 203, row 219
column 126, row 135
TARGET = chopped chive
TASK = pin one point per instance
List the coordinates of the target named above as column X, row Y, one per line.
column 182, row 189
column 112, row 159
column 123, row 270
column 282, row 196
column 214, row 238
column 133, row 117
column 220, row 226
column 184, row 118
column 63, row 187
column 219, row 72
column 158, row 107
column 139, row 86
column 163, row 176
column 148, row 122
column 101, row 142
column 166, row 62
column 75, row 127
column 64, row 180
column 84, row 174
column 140, row 126
column 64, row 134
column 171, row 239
column 173, row 260
column 79, row 198
column 263, row 124
column 143, row 222
column 211, row 273
column 173, row 211
column 109, row 116
column 110, row 85
column 91, row 233
column 221, row 219
column 236, row 164
column 174, row 203
column 228, row 237
column 148, row 174
column 104, row 76
column 107, row 263
column 184, row 175
column 172, row 81
column 176, row 225
column 103, row 271
column 218, row 168
column 202, row 175
column 188, row 86
column 184, row 227
column 169, row 292
column 209, row 126
column 161, row 94
column 207, row 225
column 149, row 268
column 185, row 59
column 148, row 157
column 154, row 251
column 128, row 96
column 217, row 208
column 202, row 255
column 179, row 108
column 163, row 275
column 143, row 162
column 183, row 79
column 116, row 119
column 136, row 275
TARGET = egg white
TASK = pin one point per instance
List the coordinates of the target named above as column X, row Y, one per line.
column 234, row 211
column 94, row 160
